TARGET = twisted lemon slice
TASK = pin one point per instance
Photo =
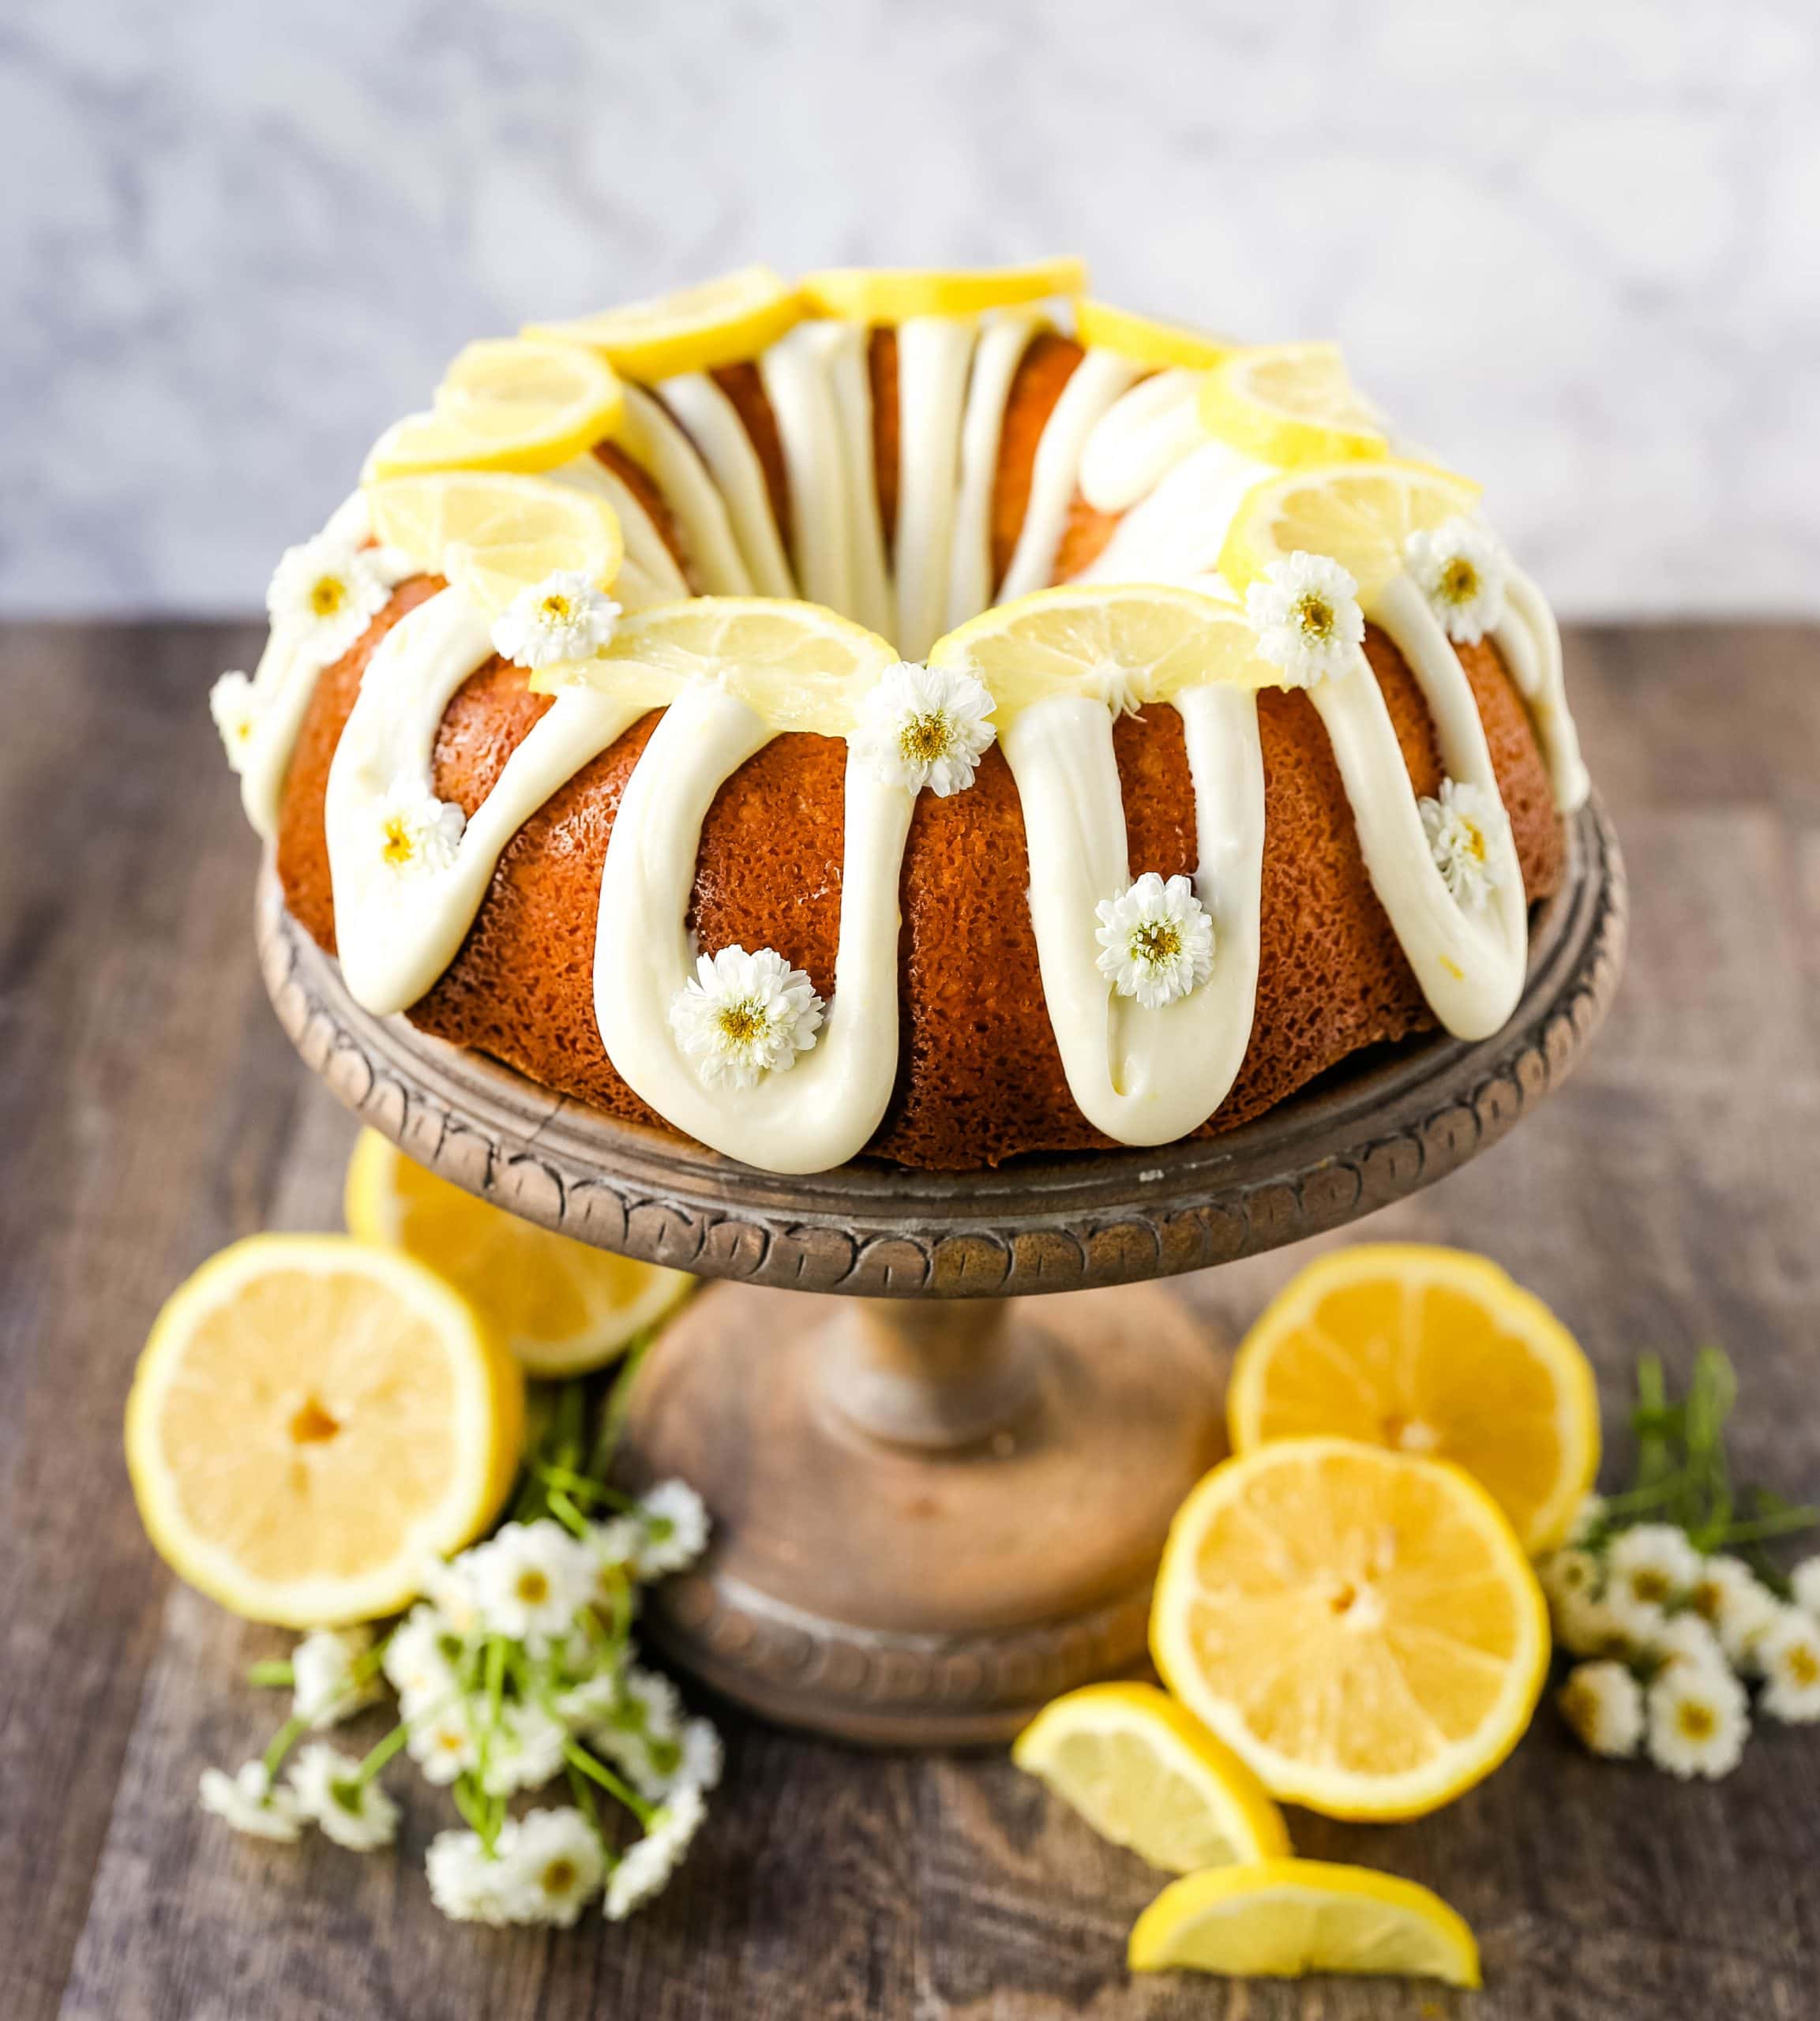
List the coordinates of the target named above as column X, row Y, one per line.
column 506, row 404
column 723, row 322
column 893, row 294
column 1289, row 403
column 1100, row 326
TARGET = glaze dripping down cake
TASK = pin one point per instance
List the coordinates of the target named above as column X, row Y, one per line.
column 933, row 716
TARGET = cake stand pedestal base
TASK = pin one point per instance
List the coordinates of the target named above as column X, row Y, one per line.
column 932, row 1516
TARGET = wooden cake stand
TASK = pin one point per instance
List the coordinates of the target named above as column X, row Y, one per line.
column 934, row 1509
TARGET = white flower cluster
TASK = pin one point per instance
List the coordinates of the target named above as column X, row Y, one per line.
column 324, row 594
column 1669, row 1639
column 1458, row 826
column 417, row 835
column 1306, row 612
column 1156, row 940
column 744, row 1016
column 235, row 706
column 925, row 726
column 1462, row 570
column 517, row 1668
column 563, row 618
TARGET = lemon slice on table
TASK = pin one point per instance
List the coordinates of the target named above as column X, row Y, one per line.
column 724, row 321
column 1121, row 642
column 495, row 534
column 1146, row 1773
column 312, row 1420
column 506, row 404
column 1430, row 1350
column 1361, row 1626
column 1359, row 514
column 1100, row 327
column 563, row 1305
column 1290, row 404
column 1282, row 1918
column 893, row 294
column 798, row 664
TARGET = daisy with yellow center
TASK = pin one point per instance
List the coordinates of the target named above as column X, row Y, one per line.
column 235, row 708
column 564, row 617
column 923, row 727
column 1788, row 1653
column 1457, row 825
column 418, row 834
column 1461, row 571
column 1698, row 1720
column 324, row 594
column 1156, row 941
column 744, row 1016
column 1306, row 612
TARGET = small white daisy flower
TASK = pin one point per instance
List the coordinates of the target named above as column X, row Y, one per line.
column 441, row 1742
column 1698, row 1722
column 1805, row 1579
column 692, row 1761
column 1569, row 1574
column 674, row 1520
column 1735, row 1603
column 524, row 1751
column 418, row 834
column 921, row 726
column 1156, row 940
column 564, row 617
column 744, row 1016
column 1685, row 1638
column 1462, row 570
column 1458, row 826
column 325, row 593
column 248, row 1801
column 1604, row 1704
column 322, row 1673
column 1788, row 1653
column 466, row 1883
column 557, row 1864
column 419, row 1659
column 1653, row 1563
column 236, row 710
column 644, row 1868
column 1306, row 614
column 358, row 1815
column 529, row 1580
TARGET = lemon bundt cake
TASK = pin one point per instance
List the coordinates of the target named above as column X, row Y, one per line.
column 933, row 716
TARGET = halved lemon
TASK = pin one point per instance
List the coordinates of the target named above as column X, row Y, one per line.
column 495, row 534
column 893, row 294
column 506, row 404
column 563, row 1305
column 1145, row 1773
column 1428, row 1351
column 1100, row 326
column 724, row 321
column 1360, row 513
column 1290, row 404
column 1361, row 1626
column 1283, row 1918
column 798, row 664
column 312, row 1421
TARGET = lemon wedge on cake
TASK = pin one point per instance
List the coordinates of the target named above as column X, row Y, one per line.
column 1430, row 1350
column 723, row 322
column 893, row 294
column 312, row 1421
column 563, row 1307
column 1289, row 403
column 506, row 404
column 1359, row 514
column 1099, row 326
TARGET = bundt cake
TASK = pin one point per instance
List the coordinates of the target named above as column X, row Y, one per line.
column 1214, row 739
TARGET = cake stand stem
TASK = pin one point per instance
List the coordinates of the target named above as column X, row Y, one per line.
column 935, row 1374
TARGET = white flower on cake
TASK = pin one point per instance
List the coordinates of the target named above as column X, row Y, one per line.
column 529, row 1581
column 1306, row 612
column 744, row 1016
column 1156, row 940
column 1458, row 826
column 1788, row 1653
column 644, row 1868
column 248, row 1801
column 418, row 834
column 1735, row 1603
column 1461, row 569
column 556, row 1865
column 921, row 726
column 235, row 708
column 673, row 1519
column 322, row 1673
column 563, row 618
column 325, row 593
column 1603, row 1703
column 1698, row 1722
column 327, row 1785
column 469, row 1884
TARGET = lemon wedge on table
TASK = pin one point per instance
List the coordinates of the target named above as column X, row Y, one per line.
column 893, row 294
column 311, row 1421
column 1284, row 1918
column 1362, row 1627
column 1431, row 1350
column 495, row 534
column 563, row 1307
column 1289, row 403
column 1146, row 1773
column 1359, row 514
column 506, row 404
column 723, row 322
column 1098, row 326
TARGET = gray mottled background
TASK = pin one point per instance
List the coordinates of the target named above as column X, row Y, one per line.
column 1575, row 244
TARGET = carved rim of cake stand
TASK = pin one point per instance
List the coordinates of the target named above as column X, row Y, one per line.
column 1361, row 1137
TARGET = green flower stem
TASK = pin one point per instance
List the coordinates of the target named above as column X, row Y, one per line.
column 584, row 1795
column 377, row 1756
column 286, row 1738
column 274, row 1675
column 583, row 1488
column 577, row 1756
column 567, row 1514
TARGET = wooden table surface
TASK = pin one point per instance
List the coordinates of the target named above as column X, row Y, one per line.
column 150, row 1110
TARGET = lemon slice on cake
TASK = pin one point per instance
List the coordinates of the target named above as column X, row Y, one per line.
column 1361, row 1626
column 312, row 1421
column 1284, row 1918
column 1430, row 1350
column 1146, row 1773
column 724, row 321
column 1100, row 327
column 564, row 1306
column 1290, row 404
column 1359, row 514
column 495, row 534
column 506, row 404
column 1121, row 643
column 893, row 294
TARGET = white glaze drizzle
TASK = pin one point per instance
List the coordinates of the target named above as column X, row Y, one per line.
column 798, row 382
column 1004, row 338
column 1176, row 533
column 649, row 574
column 1093, row 386
column 653, row 441
column 1140, row 437
column 847, row 363
column 717, row 431
column 934, row 354
column 1530, row 640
